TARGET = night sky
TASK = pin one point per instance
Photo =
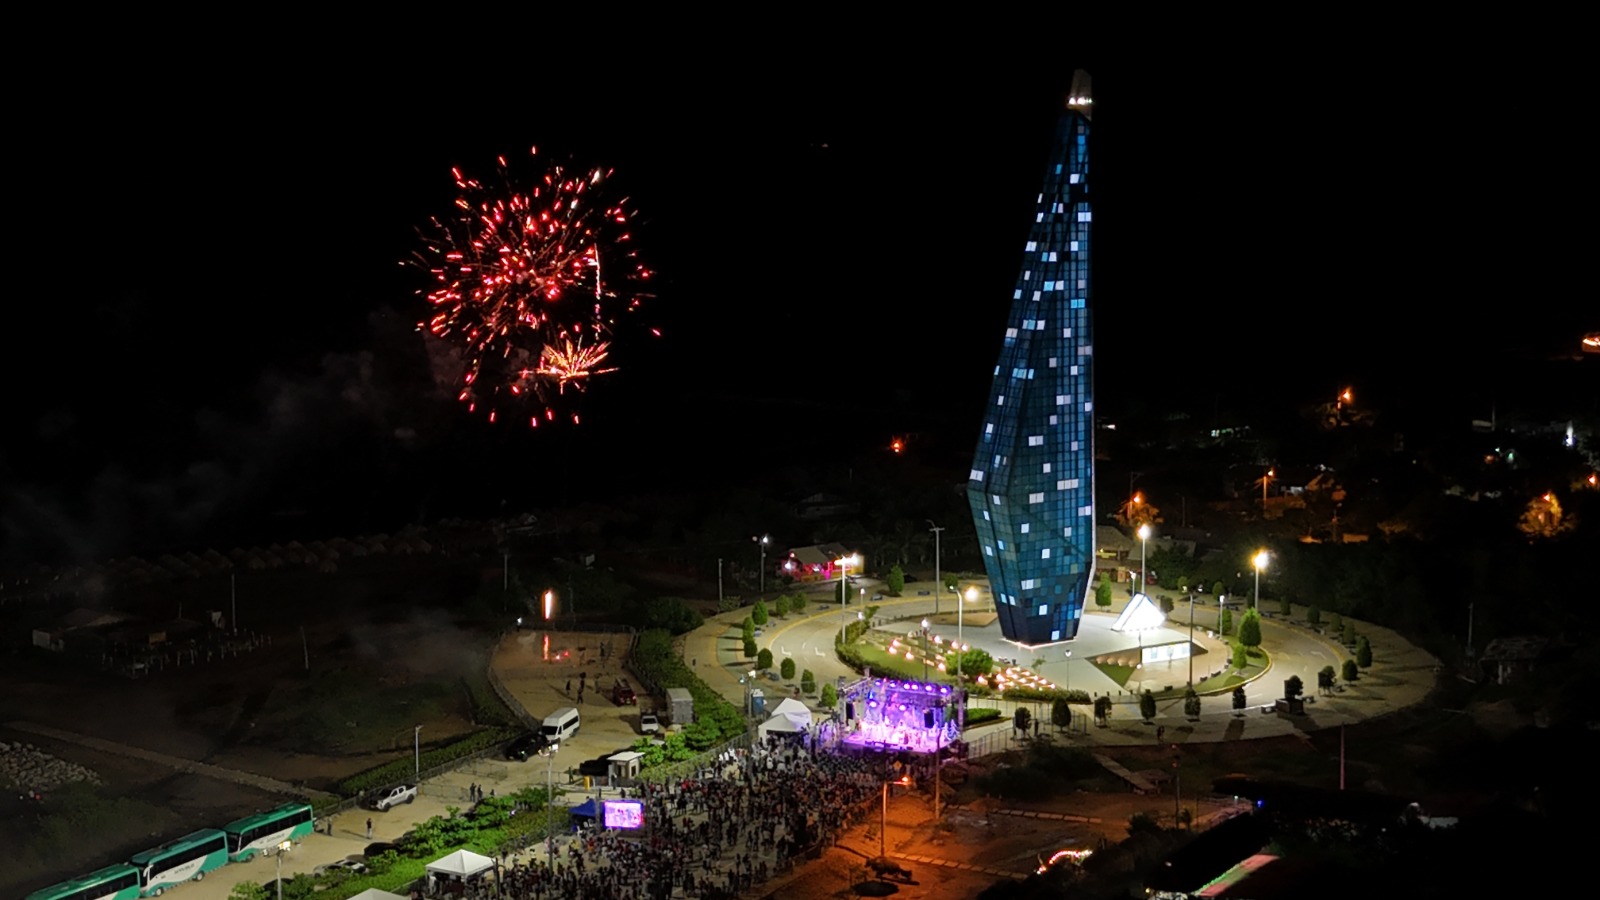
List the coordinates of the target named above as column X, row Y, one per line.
column 214, row 338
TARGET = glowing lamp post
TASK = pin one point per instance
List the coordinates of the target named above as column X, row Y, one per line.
column 961, row 637
column 924, row 649
column 1144, row 578
column 282, row 849
column 761, row 576
column 549, row 604
column 1260, row 562
column 844, row 563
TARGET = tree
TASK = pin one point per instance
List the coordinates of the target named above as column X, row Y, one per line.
column 1238, row 699
column 247, row 890
column 830, row 696
column 1216, row 590
column 780, row 605
column 1225, row 621
column 1544, row 518
column 895, row 581
column 747, row 628
column 750, row 648
column 1313, row 617
column 786, row 668
column 1147, row 705
column 1060, row 712
column 1285, row 608
column 797, row 601
column 1022, row 720
column 1143, row 822
column 1352, row 671
column 1241, row 657
column 808, row 682
column 1191, row 704
column 976, row 662
column 1102, row 592
column 764, row 658
column 1364, row 652
column 1102, row 709
column 1183, row 584
column 1166, row 604
column 1293, row 687
column 1325, row 679
column 1335, row 623
column 951, row 580
column 1250, row 628
column 1349, row 632
column 759, row 614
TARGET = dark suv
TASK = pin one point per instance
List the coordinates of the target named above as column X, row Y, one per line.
column 528, row 745
column 622, row 693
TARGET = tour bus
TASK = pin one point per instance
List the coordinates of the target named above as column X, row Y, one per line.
column 263, row 832
column 188, row 857
column 119, row 882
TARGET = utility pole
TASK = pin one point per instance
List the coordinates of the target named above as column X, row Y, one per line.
column 1191, row 638
column 233, row 597
column 938, row 583
column 719, row 582
column 1469, row 631
column 305, row 648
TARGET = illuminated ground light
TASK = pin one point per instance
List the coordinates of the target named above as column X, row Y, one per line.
column 1074, row 856
column 1219, row 885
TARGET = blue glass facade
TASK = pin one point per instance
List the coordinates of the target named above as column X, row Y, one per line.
column 1031, row 488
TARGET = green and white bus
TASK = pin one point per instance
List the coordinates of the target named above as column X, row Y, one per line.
column 119, row 882
column 188, row 857
column 263, row 832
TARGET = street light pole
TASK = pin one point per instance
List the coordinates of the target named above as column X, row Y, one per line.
column 416, row 749
column 761, row 576
column 1144, row 577
column 1260, row 562
column 282, row 849
column 1191, row 638
column 549, row 754
column 924, row 649
column 938, row 584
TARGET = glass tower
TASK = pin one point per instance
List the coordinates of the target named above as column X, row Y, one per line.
column 1031, row 488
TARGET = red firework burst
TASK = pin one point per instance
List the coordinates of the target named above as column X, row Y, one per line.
column 527, row 283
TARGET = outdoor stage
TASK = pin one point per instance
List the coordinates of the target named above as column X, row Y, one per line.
column 898, row 716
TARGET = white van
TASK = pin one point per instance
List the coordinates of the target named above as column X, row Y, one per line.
column 560, row 725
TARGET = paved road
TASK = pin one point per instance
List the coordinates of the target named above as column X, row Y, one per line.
column 1402, row 675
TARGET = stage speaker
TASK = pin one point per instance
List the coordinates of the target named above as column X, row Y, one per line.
column 849, row 711
column 927, row 718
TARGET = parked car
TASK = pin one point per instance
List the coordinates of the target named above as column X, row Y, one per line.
column 400, row 793
column 648, row 723
column 526, row 746
column 352, row 866
column 622, row 693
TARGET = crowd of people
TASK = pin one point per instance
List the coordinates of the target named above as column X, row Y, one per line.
column 715, row 835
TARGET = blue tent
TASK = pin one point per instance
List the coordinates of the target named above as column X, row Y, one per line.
column 587, row 810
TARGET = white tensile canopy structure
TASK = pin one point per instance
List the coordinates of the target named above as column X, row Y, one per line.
column 462, row 864
column 1141, row 614
column 789, row 717
column 375, row 894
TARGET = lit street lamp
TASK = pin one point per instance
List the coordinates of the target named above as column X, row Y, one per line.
column 1144, row 577
column 282, row 849
column 924, row 649
column 549, row 754
column 761, row 576
column 1264, row 481
column 883, row 820
column 1260, row 562
column 961, row 637
column 416, row 746
column 845, row 562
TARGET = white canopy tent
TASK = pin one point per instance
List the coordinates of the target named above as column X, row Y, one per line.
column 462, row 864
column 375, row 894
column 789, row 717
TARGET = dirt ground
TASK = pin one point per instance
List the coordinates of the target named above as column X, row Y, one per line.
column 372, row 676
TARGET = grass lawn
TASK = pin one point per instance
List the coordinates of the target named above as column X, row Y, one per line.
column 882, row 661
column 1218, row 685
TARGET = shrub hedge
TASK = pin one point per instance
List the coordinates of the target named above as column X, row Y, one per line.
column 656, row 663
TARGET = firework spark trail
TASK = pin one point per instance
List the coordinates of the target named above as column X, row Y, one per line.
column 525, row 282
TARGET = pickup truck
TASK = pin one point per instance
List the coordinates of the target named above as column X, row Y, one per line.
column 385, row 800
